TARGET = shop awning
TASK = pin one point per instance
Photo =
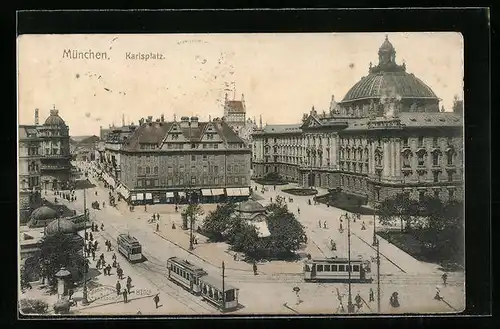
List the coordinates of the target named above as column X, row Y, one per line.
column 133, row 197
column 181, row 194
column 217, row 191
column 140, row 196
column 244, row 191
column 232, row 191
column 170, row 194
column 123, row 191
column 149, row 196
column 206, row 192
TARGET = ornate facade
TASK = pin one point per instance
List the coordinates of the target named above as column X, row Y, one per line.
column 387, row 136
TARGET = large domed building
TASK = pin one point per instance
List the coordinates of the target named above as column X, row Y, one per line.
column 387, row 136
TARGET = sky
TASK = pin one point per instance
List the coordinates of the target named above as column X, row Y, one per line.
column 281, row 75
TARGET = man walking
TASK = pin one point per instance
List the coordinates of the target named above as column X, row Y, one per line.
column 118, row 288
column 254, row 268
column 156, row 299
column 157, row 227
column 119, row 271
column 372, row 297
column 125, row 300
column 444, row 277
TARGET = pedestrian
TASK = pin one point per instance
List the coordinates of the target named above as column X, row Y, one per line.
column 109, row 269
column 157, row 227
column 298, row 210
column 119, row 271
column 319, row 223
column 98, row 264
column 394, row 300
column 109, row 245
column 176, row 208
column 444, row 277
column 145, row 208
column 271, row 199
column 275, row 187
column 118, row 288
column 102, row 224
column 129, row 281
column 86, row 236
column 363, row 226
column 113, row 257
column 93, row 255
column 357, row 299
column 372, row 297
column 114, row 263
column 129, row 285
column 91, row 236
column 324, row 224
column 96, row 193
column 125, row 300
column 340, row 227
column 173, row 226
column 95, row 244
column 234, row 256
column 70, row 293
column 437, row 296
column 254, row 268
column 101, row 257
column 156, row 299
column 195, row 240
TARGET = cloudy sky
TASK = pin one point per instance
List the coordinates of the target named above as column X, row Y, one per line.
column 281, row 75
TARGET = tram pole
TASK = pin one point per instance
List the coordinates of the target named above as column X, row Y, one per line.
column 375, row 242
column 378, row 278
column 85, row 300
column 223, row 286
column 350, row 306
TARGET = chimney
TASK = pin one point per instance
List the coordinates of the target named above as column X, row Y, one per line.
column 150, row 119
column 36, row 117
column 243, row 98
column 162, row 118
column 194, row 122
column 184, row 122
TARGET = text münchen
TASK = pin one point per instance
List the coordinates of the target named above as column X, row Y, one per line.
column 89, row 54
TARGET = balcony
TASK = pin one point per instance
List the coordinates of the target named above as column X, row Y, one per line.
column 57, row 156
column 54, row 167
column 451, row 166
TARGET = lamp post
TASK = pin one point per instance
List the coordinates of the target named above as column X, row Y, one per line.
column 350, row 306
column 223, row 286
column 378, row 278
column 375, row 241
column 85, row 300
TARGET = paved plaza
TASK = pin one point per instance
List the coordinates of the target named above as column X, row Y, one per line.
column 271, row 291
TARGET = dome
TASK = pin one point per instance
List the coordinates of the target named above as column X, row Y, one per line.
column 251, row 207
column 386, row 46
column 382, row 84
column 43, row 213
column 61, row 225
column 54, row 119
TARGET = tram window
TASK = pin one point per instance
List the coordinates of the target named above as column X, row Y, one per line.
column 205, row 289
column 342, row 268
column 210, row 293
column 334, row 268
column 327, row 268
column 307, row 268
column 319, row 268
column 355, row 268
column 230, row 295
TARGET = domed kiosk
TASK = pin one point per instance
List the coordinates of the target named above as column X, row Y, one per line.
column 254, row 214
column 42, row 216
column 61, row 225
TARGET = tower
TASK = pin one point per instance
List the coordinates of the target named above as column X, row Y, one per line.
column 260, row 122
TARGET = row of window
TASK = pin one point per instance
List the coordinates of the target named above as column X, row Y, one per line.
column 336, row 268
column 235, row 168
column 179, row 181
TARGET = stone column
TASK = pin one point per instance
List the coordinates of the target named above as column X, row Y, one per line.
column 387, row 165
column 333, row 152
column 371, row 163
column 398, row 157
column 393, row 157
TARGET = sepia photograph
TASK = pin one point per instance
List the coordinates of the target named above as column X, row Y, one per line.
column 241, row 174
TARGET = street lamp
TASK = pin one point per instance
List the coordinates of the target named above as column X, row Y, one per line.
column 85, row 300
column 375, row 241
column 350, row 305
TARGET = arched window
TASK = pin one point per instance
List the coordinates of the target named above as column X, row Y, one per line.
column 139, row 171
column 156, row 170
column 148, row 170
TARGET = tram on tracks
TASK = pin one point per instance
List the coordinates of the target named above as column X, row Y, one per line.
column 197, row 281
column 337, row 269
column 129, row 247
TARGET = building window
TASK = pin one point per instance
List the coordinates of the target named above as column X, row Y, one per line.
column 205, row 181
column 156, row 182
column 216, row 180
column 451, row 194
column 406, row 160
column 377, row 194
column 181, row 181
column 148, row 170
column 450, row 158
column 148, row 182
column 193, row 168
column 421, row 160
column 436, row 194
column 421, row 195
column 216, row 146
column 228, row 168
column 450, row 176
column 181, row 157
column 155, row 170
column 205, row 169
column 139, row 182
column 193, row 158
column 436, row 176
column 216, row 169
column 181, row 168
column 193, row 146
column 170, row 170
column 193, row 180
column 204, row 146
column 169, row 182
column 405, row 142
column 139, row 171
column 420, row 142
column 236, row 180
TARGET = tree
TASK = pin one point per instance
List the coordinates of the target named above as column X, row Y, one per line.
column 60, row 250
column 244, row 238
column 33, row 306
column 401, row 207
column 287, row 233
column 189, row 215
column 273, row 176
column 219, row 221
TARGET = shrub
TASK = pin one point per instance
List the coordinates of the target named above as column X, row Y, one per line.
column 33, row 306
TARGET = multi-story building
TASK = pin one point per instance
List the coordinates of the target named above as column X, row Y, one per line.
column 386, row 136
column 29, row 170
column 164, row 161
column 55, row 167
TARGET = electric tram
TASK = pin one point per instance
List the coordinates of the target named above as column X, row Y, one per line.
column 337, row 269
column 185, row 274
column 225, row 298
column 129, row 247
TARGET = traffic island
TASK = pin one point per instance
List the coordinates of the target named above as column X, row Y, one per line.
column 300, row 191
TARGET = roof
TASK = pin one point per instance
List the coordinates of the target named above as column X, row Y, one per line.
column 185, row 263
column 380, row 84
column 282, row 129
column 43, row 213
column 235, row 106
column 155, row 133
column 61, row 225
column 251, row 207
column 216, row 283
column 336, row 260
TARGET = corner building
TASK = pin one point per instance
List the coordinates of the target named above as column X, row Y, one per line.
column 387, row 136
column 169, row 161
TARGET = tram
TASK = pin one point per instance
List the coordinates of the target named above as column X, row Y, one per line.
column 212, row 291
column 336, row 269
column 185, row 274
column 129, row 247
